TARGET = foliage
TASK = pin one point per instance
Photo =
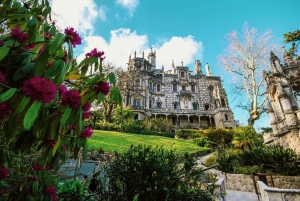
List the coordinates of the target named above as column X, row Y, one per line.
column 228, row 160
column 266, row 130
column 116, row 141
column 210, row 161
column 122, row 114
column 203, row 142
column 294, row 38
column 219, row 136
column 246, row 56
column 256, row 156
column 151, row 174
column 245, row 137
column 184, row 133
column 281, row 159
column 249, row 170
column 45, row 95
column 73, row 190
column 158, row 125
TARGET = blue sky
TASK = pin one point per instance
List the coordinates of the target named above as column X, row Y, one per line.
column 180, row 30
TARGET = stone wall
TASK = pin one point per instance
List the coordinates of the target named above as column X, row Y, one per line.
column 241, row 182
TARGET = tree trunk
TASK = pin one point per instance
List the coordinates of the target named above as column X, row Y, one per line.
column 254, row 115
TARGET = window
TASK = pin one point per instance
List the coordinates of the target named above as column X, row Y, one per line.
column 195, row 107
column 150, row 104
column 137, row 83
column 138, row 65
column 223, row 102
column 182, row 74
column 175, row 105
column 183, row 88
column 136, row 102
column 174, row 120
column 150, row 85
column 175, row 87
column 193, row 88
column 158, row 87
column 226, row 117
column 158, row 105
column 206, row 107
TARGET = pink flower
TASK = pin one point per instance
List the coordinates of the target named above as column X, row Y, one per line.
column 3, row 172
column 32, row 178
column 54, row 197
column 87, row 132
column 62, row 89
column 2, row 78
column 49, row 142
column 1, row 42
column 47, row 35
column 39, row 88
column 38, row 167
column 18, row 35
column 72, row 127
column 71, row 98
column 102, row 87
column 50, row 190
column 86, row 115
column 87, row 106
column 65, row 147
column 73, row 36
column 95, row 53
column 5, row 109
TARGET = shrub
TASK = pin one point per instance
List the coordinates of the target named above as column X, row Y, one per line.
column 210, row 161
column 184, row 133
column 151, row 174
column 203, row 142
column 73, row 190
column 219, row 136
column 228, row 161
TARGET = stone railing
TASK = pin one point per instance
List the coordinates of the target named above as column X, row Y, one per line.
column 275, row 194
column 220, row 189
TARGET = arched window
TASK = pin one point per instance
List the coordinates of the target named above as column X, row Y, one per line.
column 175, row 87
column 150, row 104
column 223, row 102
column 150, row 85
column 206, row 106
column 158, row 87
column 193, row 88
column 226, row 117
column 158, row 105
column 182, row 74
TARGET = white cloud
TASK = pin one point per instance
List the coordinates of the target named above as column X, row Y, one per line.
column 130, row 5
column 81, row 15
column 101, row 12
column 124, row 42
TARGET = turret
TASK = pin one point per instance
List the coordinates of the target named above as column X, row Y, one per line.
column 152, row 60
column 198, row 68
column 275, row 63
column 208, row 72
column 287, row 59
column 135, row 54
column 173, row 67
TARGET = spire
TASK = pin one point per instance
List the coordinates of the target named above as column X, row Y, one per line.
column 275, row 63
column 143, row 54
column 173, row 67
column 135, row 54
column 181, row 63
column 287, row 59
column 207, row 68
column 198, row 67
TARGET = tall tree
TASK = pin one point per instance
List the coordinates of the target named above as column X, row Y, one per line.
column 245, row 57
column 294, row 39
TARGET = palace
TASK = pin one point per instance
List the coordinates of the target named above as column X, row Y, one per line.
column 189, row 100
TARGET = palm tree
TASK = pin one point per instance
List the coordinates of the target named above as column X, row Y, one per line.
column 245, row 137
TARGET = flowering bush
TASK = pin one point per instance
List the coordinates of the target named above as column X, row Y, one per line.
column 45, row 95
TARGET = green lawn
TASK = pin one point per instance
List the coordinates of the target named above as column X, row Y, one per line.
column 112, row 141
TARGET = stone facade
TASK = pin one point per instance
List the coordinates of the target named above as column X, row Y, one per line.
column 283, row 87
column 241, row 182
column 187, row 98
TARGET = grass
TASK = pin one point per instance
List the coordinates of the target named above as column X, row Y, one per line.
column 112, row 141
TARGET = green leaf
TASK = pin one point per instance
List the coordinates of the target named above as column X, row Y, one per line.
column 100, row 97
column 31, row 114
column 85, row 150
column 56, row 42
column 26, row 68
column 55, row 68
column 112, row 78
column 3, row 52
column 13, row 16
column 65, row 116
column 54, row 128
column 56, row 145
column 35, row 51
column 18, row 75
column 7, row 95
column 23, row 103
column 42, row 61
column 32, row 22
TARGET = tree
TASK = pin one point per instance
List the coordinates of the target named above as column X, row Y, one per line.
column 245, row 57
column 294, row 39
column 245, row 137
column 45, row 95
